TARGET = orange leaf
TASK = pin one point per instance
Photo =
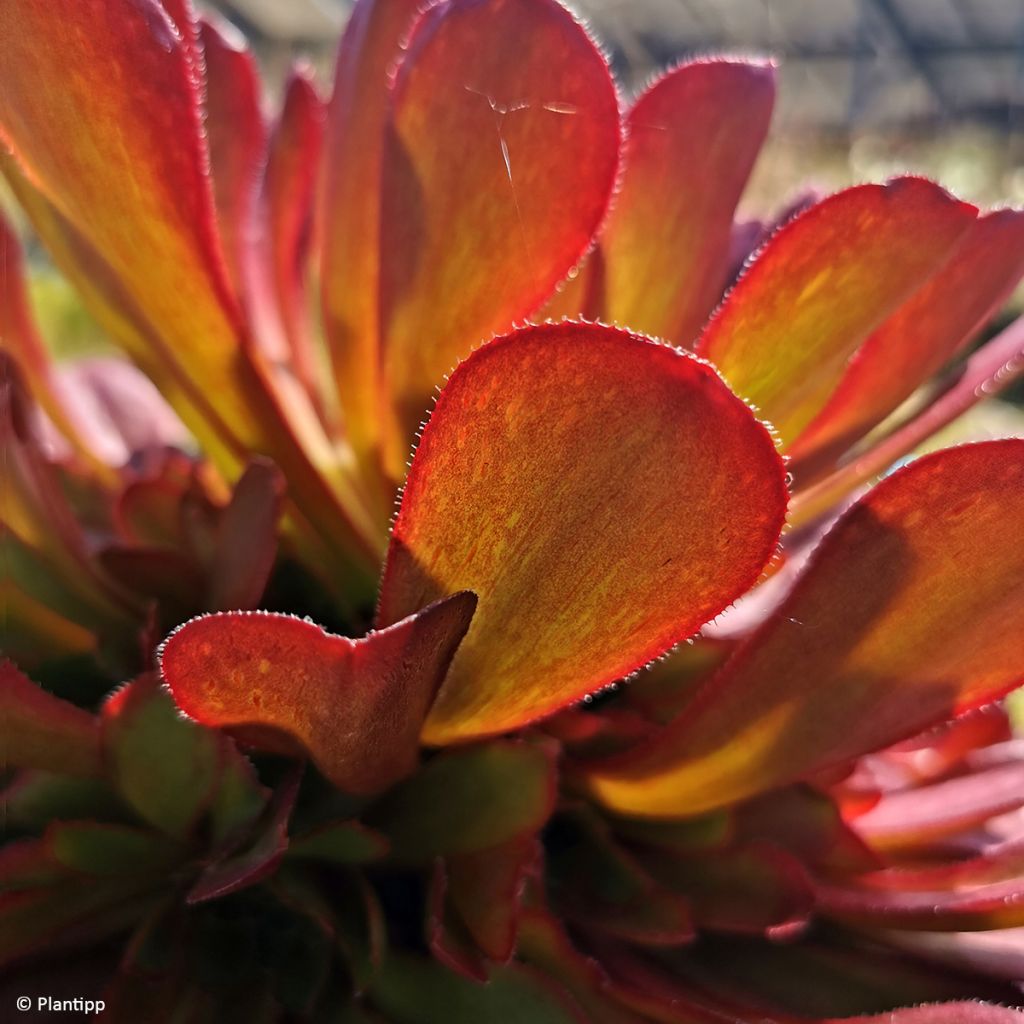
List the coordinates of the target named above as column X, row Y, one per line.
column 603, row 494
column 284, row 684
column 499, row 168
column 691, row 143
column 910, row 612
column 349, row 211
column 924, row 333
column 99, row 109
column 822, row 284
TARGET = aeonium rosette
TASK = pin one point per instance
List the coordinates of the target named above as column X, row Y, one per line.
column 448, row 805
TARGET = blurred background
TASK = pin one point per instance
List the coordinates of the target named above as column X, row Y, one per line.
column 868, row 87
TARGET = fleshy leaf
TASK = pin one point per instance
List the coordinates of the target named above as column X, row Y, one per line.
column 412, row 990
column 349, row 211
column 80, row 911
column 691, row 143
column 942, row 1013
column 596, row 883
column 246, row 543
column 121, row 400
column 36, row 798
column 236, row 135
column 909, row 613
column 825, row 979
column 42, row 731
column 126, row 207
column 985, row 908
column 446, row 936
column 756, row 888
column 510, row 150
column 465, row 801
column 996, row 954
column 130, row 181
column 994, row 367
column 167, row 576
column 239, row 799
column 808, row 824
column 823, row 283
column 604, row 495
column 45, row 548
column 485, row 888
column 361, row 931
column 544, row 943
column 342, row 842
column 356, row 706
column 165, row 767
column 915, row 815
column 928, row 330
column 110, row 851
column 28, row 864
column 91, row 439
column 262, row 856
column 287, row 208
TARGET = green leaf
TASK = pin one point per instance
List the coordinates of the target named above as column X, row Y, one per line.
column 342, row 842
column 411, row 990
column 111, row 851
column 36, row 798
column 467, row 800
column 239, row 799
column 164, row 766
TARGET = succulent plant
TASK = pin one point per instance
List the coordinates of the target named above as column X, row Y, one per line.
column 663, row 708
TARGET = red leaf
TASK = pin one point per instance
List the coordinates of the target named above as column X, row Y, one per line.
column 100, row 113
column 446, row 936
column 982, row 908
column 942, row 1013
column 356, row 706
column 246, row 543
column 288, row 189
column 236, row 135
column 486, row 890
column 913, row 816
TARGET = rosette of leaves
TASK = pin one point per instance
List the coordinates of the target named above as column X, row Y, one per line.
column 274, row 754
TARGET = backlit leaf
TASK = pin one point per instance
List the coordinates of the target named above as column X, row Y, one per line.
column 602, row 494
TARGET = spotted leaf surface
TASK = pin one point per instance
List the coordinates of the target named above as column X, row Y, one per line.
column 284, row 684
